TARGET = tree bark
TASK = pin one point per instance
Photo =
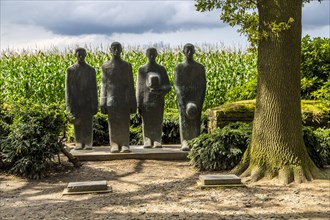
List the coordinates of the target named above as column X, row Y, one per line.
column 277, row 146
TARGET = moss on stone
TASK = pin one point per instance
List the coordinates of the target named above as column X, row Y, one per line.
column 314, row 113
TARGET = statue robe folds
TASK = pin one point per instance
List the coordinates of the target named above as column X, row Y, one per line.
column 82, row 101
column 118, row 98
column 190, row 87
column 152, row 85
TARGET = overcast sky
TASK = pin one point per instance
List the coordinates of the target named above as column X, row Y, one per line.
column 41, row 24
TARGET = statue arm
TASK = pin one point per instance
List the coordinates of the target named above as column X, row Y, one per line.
column 94, row 93
column 179, row 88
column 166, row 85
column 68, row 91
column 132, row 97
column 103, row 94
column 140, row 83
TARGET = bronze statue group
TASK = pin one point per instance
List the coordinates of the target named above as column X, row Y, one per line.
column 118, row 98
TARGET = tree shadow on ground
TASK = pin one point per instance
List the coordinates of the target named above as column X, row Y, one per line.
column 149, row 200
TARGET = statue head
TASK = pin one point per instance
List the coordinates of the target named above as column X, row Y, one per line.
column 80, row 53
column 151, row 54
column 188, row 51
column 116, row 49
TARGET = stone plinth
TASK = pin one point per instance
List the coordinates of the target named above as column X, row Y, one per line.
column 102, row 153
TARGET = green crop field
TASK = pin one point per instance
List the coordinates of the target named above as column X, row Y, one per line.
column 39, row 77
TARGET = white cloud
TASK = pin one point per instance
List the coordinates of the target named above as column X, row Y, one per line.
column 68, row 23
column 46, row 40
column 107, row 17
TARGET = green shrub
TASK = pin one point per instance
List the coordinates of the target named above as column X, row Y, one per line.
column 6, row 119
column 323, row 136
column 135, row 135
column 34, row 139
column 323, row 93
column 171, row 128
column 170, row 134
column 100, row 130
column 313, row 147
column 222, row 149
column 315, row 65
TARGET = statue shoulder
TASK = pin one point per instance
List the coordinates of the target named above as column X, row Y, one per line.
column 71, row 68
column 179, row 67
column 142, row 68
column 162, row 68
column 90, row 67
column 125, row 63
column 199, row 66
column 106, row 65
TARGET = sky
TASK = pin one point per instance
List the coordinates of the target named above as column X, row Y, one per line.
column 44, row 24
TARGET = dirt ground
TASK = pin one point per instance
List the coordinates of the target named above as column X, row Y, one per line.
column 149, row 189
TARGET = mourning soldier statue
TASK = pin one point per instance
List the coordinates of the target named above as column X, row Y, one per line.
column 190, row 88
column 118, row 99
column 81, row 99
column 152, row 85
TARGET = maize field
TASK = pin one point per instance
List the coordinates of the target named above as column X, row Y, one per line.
column 39, row 76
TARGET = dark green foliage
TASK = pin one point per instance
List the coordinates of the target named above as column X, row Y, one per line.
column 315, row 65
column 170, row 135
column 135, row 130
column 313, row 147
column 222, row 149
column 171, row 129
column 34, row 139
column 100, row 130
column 6, row 119
column 135, row 135
column 323, row 136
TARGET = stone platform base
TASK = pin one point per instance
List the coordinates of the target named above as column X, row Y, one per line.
column 102, row 153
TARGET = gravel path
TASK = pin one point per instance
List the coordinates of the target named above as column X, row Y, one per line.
column 147, row 189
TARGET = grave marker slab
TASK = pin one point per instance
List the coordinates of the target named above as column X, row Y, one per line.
column 87, row 186
column 219, row 179
column 213, row 181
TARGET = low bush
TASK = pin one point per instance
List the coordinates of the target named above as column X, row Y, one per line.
column 223, row 148
column 34, row 138
column 313, row 146
column 323, row 136
column 170, row 134
column 100, row 130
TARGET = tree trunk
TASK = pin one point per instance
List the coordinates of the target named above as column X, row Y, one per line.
column 277, row 146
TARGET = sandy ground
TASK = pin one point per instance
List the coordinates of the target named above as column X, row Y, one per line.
column 148, row 189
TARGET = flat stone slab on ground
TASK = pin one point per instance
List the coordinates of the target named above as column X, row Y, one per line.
column 87, row 186
column 219, row 179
